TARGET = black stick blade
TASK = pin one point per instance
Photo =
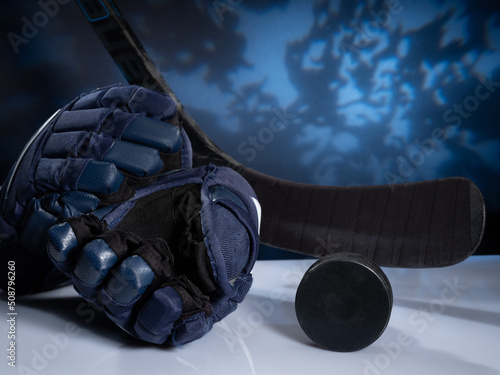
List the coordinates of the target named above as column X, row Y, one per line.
column 425, row 224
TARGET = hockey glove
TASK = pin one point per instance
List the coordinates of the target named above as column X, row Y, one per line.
column 94, row 152
column 170, row 262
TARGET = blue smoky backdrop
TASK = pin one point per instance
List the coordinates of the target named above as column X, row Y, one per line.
column 321, row 92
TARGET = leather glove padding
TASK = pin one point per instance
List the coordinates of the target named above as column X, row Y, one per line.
column 170, row 262
column 93, row 152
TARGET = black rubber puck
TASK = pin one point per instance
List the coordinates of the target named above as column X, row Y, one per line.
column 344, row 302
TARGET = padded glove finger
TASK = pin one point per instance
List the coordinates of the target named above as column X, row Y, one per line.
column 94, row 152
column 132, row 99
column 169, row 263
column 136, row 144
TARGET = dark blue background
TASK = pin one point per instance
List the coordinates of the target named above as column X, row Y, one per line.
column 323, row 92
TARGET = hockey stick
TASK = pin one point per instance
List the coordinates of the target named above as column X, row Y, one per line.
column 433, row 223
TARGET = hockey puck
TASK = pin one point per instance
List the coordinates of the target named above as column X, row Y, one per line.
column 344, row 302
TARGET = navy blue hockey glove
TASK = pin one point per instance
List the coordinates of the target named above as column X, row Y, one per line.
column 94, row 152
column 170, row 262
